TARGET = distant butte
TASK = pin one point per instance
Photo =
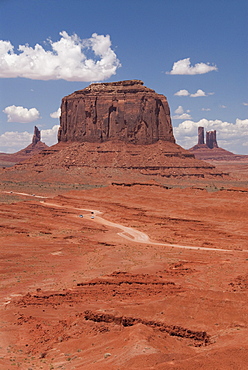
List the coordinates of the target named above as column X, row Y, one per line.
column 211, row 140
column 118, row 132
column 124, row 110
column 211, row 150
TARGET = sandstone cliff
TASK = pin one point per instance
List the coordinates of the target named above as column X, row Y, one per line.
column 211, row 140
column 125, row 110
column 103, row 137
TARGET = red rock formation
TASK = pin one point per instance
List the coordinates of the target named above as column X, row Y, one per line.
column 211, row 139
column 36, row 136
column 115, row 162
column 211, row 150
column 200, row 135
column 125, row 110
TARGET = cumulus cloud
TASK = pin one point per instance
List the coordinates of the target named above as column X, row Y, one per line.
column 206, row 109
column 179, row 110
column 182, row 93
column 21, row 114
column 198, row 93
column 50, row 136
column 230, row 136
column 245, row 103
column 180, row 114
column 13, row 141
column 56, row 114
column 183, row 67
column 66, row 60
column 223, row 106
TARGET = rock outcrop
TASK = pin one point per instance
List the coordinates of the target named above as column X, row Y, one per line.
column 210, row 150
column 36, row 136
column 116, row 162
column 200, row 135
column 211, row 140
column 103, row 139
column 125, row 110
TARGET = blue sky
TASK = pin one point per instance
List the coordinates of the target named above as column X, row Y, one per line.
column 195, row 52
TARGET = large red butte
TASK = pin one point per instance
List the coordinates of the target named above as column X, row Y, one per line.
column 124, row 110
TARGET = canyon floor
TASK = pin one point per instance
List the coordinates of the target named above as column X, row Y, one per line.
column 99, row 277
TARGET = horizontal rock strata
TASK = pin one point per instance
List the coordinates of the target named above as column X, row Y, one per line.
column 117, row 162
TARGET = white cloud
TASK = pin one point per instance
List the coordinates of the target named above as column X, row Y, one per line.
column 67, row 59
column 180, row 114
column 182, row 93
column 50, row 136
column 179, row 110
column 56, row 114
column 21, row 114
column 223, row 106
column 183, row 67
column 245, row 103
column 206, row 109
column 13, row 141
column 230, row 136
column 198, row 93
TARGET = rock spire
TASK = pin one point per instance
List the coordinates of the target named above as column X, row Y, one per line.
column 36, row 136
column 211, row 140
column 200, row 135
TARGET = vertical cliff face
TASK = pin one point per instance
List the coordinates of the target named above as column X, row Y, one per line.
column 211, row 140
column 125, row 110
column 200, row 135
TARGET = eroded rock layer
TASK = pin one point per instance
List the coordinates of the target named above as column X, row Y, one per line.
column 114, row 162
column 125, row 110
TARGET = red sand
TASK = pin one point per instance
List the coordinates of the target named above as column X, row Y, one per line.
column 76, row 295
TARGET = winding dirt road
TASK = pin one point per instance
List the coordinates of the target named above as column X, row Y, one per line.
column 127, row 232
column 133, row 234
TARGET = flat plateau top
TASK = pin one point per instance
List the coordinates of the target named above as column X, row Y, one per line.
column 127, row 86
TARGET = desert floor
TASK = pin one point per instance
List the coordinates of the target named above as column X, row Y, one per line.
column 79, row 292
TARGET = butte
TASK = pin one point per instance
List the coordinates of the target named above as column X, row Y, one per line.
column 115, row 133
